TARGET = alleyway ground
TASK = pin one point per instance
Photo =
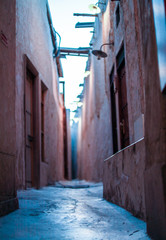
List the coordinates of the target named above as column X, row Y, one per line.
column 69, row 213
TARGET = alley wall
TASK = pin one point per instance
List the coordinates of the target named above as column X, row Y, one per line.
column 94, row 143
column 103, row 126
column 34, row 51
column 8, row 200
column 122, row 128
column 127, row 187
column 155, row 128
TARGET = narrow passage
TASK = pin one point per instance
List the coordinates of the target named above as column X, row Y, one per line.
column 69, row 212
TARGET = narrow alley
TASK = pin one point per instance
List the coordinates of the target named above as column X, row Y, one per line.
column 70, row 213
column 82, row 119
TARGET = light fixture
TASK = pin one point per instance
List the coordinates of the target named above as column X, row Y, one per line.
column 94, row 8
column 99, row 53
column 76, row 119
column 86, row 74
column 80, row 104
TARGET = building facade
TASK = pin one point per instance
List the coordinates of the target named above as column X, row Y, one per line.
column 8, row 199
column 39, row 112
column 31, row 129
column 121, row 135
column 155, row 122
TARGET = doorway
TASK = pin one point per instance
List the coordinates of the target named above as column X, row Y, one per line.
column 113, row 113
column 29, row 123
column 123, row 105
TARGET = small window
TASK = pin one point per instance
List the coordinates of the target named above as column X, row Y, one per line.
column 117, row 16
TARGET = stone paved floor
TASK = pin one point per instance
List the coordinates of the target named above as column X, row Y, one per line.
column 62, row 213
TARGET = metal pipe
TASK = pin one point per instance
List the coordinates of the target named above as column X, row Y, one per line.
column 85, row 14
column 84, row 25
column 112, row 43
column 75, row 50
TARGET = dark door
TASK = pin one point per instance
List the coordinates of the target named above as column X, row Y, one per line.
column 29, row 119
column 123, row 106
column 113, row 113
column 66, row 175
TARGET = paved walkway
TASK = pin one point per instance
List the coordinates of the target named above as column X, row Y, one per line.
column 69, row 213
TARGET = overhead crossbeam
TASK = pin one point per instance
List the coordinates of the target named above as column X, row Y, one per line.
column 81, row 52
column 85, row 15
column 84, row 25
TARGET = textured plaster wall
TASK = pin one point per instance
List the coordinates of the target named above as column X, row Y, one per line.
column 126, row 33
column 155, row 129
column 94, row 143
column 8, row 201
column 33, row 38
column 7, row 98
column 124, row 171
column 96, row 128
column 134, row 66
column 123, row 179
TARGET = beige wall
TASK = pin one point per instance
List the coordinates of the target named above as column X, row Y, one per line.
column 155, row 133
column 124, row 171
column 128, row 34
column 123, row 176
column 8, row 201
column 33, row 39
column 95, row 132
column 96, row 127
column 95, row 136
column 7, row 76
column 123, row 179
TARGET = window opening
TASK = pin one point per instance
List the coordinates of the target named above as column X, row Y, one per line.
column 117, row 16
column 123, row 104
